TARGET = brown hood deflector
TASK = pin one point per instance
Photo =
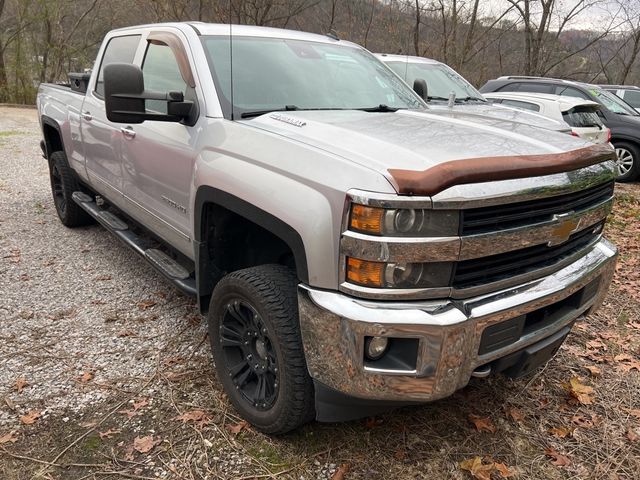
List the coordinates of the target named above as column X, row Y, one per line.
column 487, row 169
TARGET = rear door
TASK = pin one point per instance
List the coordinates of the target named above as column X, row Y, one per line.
column 158, row 157
column 102, row 138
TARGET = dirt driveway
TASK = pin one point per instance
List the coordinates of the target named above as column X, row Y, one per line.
column 105, row 372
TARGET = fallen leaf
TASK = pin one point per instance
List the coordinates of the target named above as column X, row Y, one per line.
column 400, row 454
column 340, row 472
column 86, row 376
column 560, row 432
column 9, row 403
column 596, row 345
column 593, row 370
column 199, row 417
column 504, row 471
column 580, row 392
column 373, row 422
column 557, row 458
column 632, row 435
column 516, row 415
column 582, row 421
column 128, row 453
column 125, row 333
column 477, row 469
column 9, row 437
column 623, row 357
column 237, row 428
column 109, row 433
column 20, row 384
column 482, row 424
column 146, row 304
column 31, row 417
column 144, row 444
column 634, row 412
column 102, row 278
column 143, row 402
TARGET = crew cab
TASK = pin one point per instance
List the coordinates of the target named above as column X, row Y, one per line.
column 352, row 250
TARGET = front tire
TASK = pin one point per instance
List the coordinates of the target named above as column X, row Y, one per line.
column 63, row 184
column 628, row 161
column 257, row 348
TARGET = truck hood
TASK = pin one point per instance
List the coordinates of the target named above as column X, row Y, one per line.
column 411, row 140
column 487, row 112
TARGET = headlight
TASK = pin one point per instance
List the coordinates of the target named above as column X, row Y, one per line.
column 403, row 222
column 398, row 275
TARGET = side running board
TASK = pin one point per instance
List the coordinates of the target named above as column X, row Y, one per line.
column 172, row 270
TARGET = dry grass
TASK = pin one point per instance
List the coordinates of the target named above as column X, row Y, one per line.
column 419, row 442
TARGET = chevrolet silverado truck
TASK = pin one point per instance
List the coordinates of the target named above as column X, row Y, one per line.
column 352, row 251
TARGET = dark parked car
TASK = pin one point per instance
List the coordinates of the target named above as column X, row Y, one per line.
column 619, row 116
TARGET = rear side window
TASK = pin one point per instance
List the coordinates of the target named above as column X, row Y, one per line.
column 571, row 92
column 531, row 87
column 119, row 50
column 632, row 97
column 161, row 73
column 582, row 117
column 519, row 104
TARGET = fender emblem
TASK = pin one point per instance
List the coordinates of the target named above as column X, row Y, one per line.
column 567, row 224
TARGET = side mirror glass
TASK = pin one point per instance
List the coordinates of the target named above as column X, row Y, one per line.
column 125, row 98
column 420, row 87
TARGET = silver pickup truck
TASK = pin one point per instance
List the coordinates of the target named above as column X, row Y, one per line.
column 353, row 251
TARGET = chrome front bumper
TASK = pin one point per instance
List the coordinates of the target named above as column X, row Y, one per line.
column 334, row 327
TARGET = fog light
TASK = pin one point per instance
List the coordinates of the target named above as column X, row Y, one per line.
column 375, row 347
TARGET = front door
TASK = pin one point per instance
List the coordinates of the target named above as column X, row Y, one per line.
column 158, row 157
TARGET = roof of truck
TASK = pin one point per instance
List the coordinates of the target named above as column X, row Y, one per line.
column 386, row 57
column 202, row 28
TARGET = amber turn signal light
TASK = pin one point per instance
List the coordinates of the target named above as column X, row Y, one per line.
column 362, row 272
column 366, row 219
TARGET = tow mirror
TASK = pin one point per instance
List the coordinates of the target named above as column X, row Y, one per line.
column 420, row 87
column 125, row 96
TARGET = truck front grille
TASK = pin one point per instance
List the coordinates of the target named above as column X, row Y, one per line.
column 501, row 217
column 481, row 271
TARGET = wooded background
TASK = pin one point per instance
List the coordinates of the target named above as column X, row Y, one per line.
column 591, row 40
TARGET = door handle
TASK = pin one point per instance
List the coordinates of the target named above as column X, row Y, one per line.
column 87, row 116
column 128, row 132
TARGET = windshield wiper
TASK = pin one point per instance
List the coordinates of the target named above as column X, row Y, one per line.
column 257, row 113
column 429, row 98
column 467, row 99
column 380, row 108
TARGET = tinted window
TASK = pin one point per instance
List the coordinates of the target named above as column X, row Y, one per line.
column 612, row 102
column 582, row 117
column 571, row 92
column 632, row 97
column 119, row 50
column 520, row 104
column 532, row 87
column 162, row 74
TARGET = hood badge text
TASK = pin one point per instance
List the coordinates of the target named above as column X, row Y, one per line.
column 286, row 119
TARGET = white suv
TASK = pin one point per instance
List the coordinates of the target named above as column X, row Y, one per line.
column 581, row 115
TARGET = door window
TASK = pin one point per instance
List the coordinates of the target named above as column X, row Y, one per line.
column 119, row 50
column 162, row 74
column 571, row 92
column 531, row 87
column 632, row 97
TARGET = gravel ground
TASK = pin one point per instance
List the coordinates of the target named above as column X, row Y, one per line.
column 105, row 372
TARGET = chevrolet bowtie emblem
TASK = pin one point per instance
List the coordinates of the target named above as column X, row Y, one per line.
column 566, row 225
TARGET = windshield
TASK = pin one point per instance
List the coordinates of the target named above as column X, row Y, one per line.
column 613, row 102
column 441, row 80
column 282, row 74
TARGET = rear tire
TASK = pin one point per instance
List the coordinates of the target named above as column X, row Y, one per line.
column 627, row 161
column 63, row 184
column 257, row 348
